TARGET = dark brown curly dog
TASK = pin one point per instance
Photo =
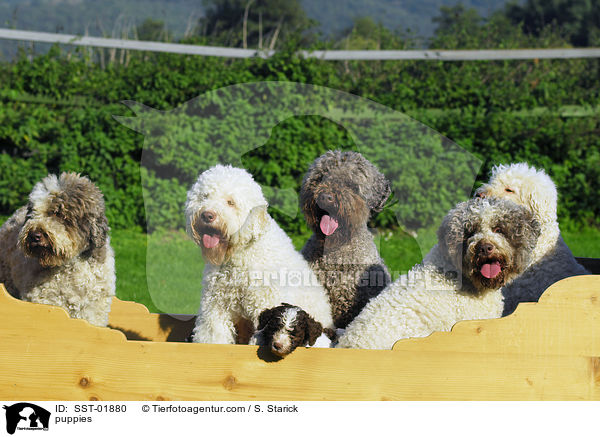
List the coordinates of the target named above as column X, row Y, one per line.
column 340, row 191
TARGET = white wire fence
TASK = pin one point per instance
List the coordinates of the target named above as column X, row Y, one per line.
column 327, row 55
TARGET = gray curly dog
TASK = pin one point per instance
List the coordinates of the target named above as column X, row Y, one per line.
column 339, row 193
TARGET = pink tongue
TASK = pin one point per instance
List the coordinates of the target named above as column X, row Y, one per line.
column 210, row 241
column 491, row 270
column 328, row 225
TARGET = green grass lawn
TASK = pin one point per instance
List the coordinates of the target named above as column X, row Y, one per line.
column 164, row 270
column 584, row 243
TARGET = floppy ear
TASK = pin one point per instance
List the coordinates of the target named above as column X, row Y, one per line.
column 381, row 192
column 265, row 317
column 255, row 225
column 450, row 231
column 313, row 330
column 527, row 226
column 314, row 175
column 98, row 232
column 536, row 229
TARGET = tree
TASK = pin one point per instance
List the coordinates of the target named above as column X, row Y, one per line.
column 366, row 34
column 152, row 30
column 458, row 18
column 459, row 27
column 253, row 23
column 577, row 20
column 462, row 28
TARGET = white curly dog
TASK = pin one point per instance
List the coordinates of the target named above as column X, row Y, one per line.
column 251, row 264
column 552, row 259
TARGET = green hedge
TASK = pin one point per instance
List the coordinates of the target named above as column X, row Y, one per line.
column 57, row 114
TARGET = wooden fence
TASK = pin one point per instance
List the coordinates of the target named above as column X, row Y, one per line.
column 543, row 351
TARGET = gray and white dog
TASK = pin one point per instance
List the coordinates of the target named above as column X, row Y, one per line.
column 56, row 249
column 339, row 193
column 483, row 244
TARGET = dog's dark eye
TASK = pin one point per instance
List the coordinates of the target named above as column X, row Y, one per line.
column 497, row 230
column 508, row 190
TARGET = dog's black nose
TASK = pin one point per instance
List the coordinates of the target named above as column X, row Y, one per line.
column 35, row 236
column 208, row 216
column 326, row 199
column 486, row 248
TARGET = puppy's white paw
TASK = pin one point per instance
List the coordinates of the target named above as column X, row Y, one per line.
column 322, row 341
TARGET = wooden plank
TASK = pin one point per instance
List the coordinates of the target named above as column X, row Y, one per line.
column 549, row 350
column 134, row 320
column 570, row 309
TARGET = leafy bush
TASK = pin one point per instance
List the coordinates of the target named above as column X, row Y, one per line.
column 57, row 114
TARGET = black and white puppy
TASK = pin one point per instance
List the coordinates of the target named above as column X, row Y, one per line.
column 284, row 328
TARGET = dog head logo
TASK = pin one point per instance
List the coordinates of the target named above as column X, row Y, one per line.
column 427, row 173
column 26, row 416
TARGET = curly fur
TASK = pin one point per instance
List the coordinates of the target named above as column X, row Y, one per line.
column 347, row 187
column 552, row 259
column 533, row 189
column 56, row 249
column 452, row 287
column 251, row 264
column 285, row 328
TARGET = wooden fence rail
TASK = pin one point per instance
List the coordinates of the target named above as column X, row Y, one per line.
column 543, row 351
